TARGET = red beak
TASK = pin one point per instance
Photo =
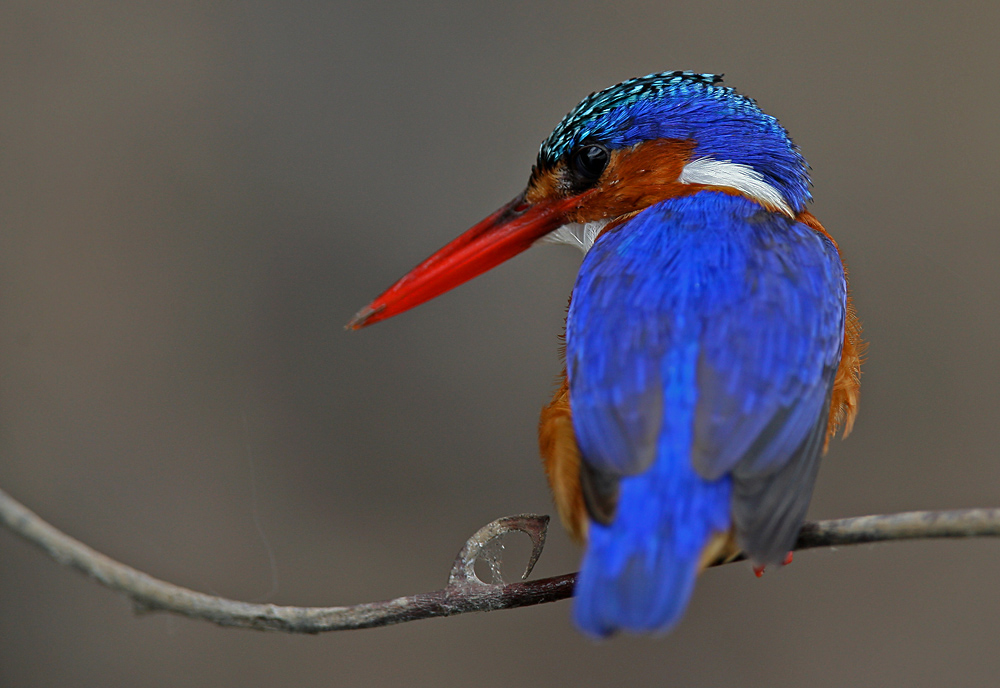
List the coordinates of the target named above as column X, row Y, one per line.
column 507, row 232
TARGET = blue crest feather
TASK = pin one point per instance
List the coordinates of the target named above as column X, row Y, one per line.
column 723, row 124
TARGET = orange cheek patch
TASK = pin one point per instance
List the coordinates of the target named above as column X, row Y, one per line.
column 638, row 177
column 635, row 179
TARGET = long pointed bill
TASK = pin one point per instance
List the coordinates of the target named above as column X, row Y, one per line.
column 502, row 235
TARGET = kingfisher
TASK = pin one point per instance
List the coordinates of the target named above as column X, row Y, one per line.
column 711, row 347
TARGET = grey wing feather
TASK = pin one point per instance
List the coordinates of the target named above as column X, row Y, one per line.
column 768, row 508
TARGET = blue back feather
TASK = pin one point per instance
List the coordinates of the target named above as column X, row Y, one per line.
column 701, row 344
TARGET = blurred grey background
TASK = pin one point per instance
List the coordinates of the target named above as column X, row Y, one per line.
column 195, row 197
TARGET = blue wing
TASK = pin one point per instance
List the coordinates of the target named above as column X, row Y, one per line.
column 702, row 342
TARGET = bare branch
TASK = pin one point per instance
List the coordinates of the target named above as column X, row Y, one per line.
column 464, row 592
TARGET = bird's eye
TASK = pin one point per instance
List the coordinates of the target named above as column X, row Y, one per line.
column 588, row 162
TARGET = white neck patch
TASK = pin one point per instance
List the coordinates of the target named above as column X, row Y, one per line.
column 582, row 236
column 737, row 176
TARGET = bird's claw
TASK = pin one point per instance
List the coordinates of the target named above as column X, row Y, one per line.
column 759, row 570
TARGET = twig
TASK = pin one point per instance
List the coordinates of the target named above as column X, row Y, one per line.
column 464, row 592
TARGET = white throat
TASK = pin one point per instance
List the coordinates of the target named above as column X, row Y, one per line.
column 582, row 236
column 725, row 173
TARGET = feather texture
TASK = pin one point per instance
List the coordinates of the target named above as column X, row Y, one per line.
column 703, row 338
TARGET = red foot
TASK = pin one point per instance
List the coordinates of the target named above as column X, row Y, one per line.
column 759, row 570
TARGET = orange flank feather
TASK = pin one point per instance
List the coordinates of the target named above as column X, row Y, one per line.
column 721, row 547
column 847, row 384
column 561, row 458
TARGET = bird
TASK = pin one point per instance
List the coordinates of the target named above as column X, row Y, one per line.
column 711, row 347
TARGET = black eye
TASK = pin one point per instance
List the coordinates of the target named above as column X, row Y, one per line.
column 588, row 162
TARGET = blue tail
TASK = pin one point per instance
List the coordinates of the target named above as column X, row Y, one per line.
column 638, row 573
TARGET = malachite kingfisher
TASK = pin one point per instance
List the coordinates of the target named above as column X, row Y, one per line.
column 711, row 347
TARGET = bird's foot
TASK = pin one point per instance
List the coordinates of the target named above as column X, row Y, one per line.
column 759, row 570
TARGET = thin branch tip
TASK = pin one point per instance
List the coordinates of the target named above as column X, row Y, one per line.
column 463, row 571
